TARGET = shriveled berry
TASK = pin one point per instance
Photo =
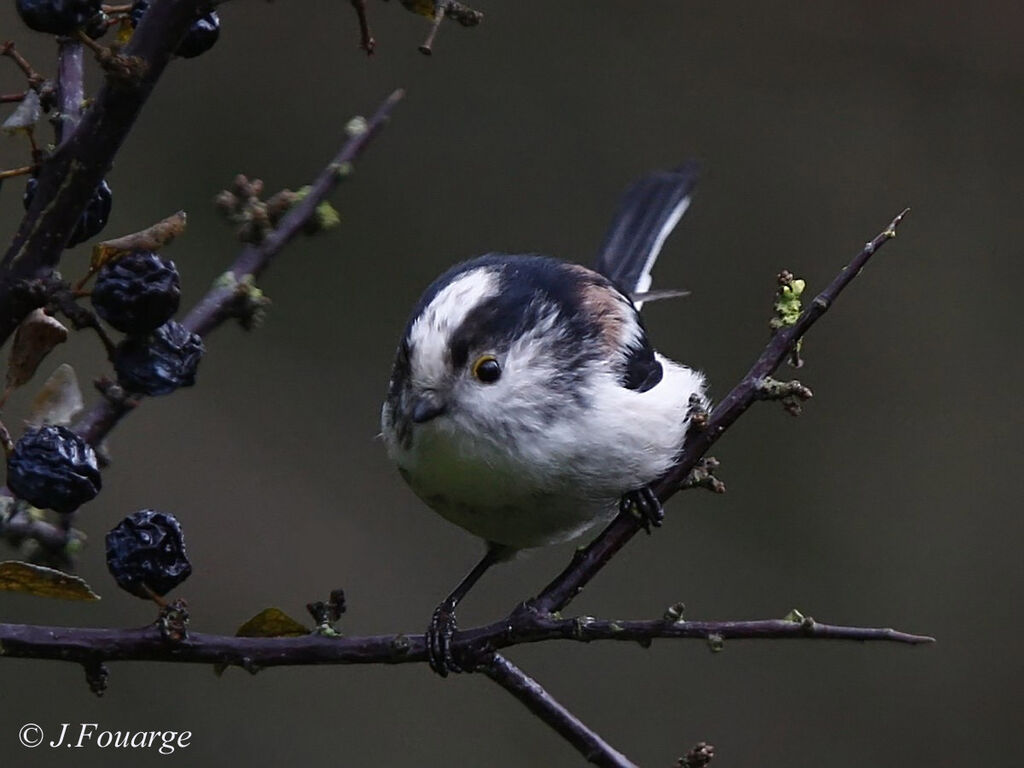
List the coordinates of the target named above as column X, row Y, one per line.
column 159, row 363
column 51, row 467
column 93, row 218
column 200, row 36
column 137, row 293
column 57, row 17
column 147, row 550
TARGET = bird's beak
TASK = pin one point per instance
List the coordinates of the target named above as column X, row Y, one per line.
column 427, row 406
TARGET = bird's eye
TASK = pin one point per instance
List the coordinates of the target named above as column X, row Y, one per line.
column 487, row 369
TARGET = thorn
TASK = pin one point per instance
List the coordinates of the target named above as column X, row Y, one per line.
column 674, row 613
column 698, row 757
column 697, row 413
column 96, row 675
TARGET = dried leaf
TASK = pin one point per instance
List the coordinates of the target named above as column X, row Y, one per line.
column 59, row 400
column 272, row 622
column 37, row 335
column 26, row 115
column 149, row 239
column 16, row 576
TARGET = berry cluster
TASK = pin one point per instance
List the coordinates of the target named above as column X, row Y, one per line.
column 146, row 553
column 138, row 294
column 57, row 17
column 93, row 218
column 53, row 468
column 200, row 36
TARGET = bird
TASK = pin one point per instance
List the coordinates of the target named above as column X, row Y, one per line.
column 526, row 403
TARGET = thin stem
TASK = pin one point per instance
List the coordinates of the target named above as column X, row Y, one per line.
column 366, row 41
column 541, row 703
column 11, row 172
column 440, row 9
column 34, row 78
column 216, row 306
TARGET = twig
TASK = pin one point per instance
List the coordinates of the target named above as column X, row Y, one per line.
column 427, row 47
column 34, row 78
column 68, row 178
column 21, row 527
column 588, row 743
column 366, row 41
column 12, row 172
column 146, row 644
column 216, row 306
column 586, row 564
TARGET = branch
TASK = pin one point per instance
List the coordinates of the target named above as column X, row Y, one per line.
column 595, row 749
column 226, row 298
column 524, row 626
column 70, row 87
column 586, row 564
column 68, row 178
column 218, row 305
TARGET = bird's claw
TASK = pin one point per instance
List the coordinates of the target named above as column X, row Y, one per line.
column 644, row 504
column 439, row 642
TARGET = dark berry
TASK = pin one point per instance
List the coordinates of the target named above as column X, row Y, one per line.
column 97, row 26
column 200, row 36
column 93, row 218
column 53, row 468
column 137, row 293
column 57, row 17
column 159, row 363
column 147, row 549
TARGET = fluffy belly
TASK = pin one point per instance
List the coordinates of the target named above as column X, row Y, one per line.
column 503, row 502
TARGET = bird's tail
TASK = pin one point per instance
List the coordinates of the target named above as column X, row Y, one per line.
column 648, row 212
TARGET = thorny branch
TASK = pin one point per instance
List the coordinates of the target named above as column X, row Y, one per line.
column 523, row 626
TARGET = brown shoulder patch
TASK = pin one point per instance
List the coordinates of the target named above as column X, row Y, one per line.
column 606, row 306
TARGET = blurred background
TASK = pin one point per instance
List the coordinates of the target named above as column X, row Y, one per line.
column 893, row 501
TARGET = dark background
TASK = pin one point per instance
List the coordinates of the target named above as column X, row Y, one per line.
column 894, row 501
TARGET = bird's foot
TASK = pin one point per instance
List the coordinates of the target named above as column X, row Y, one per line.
column 644, row 505
column 439, row 641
